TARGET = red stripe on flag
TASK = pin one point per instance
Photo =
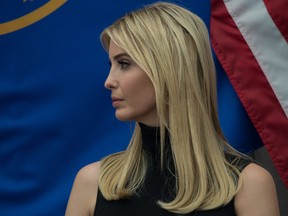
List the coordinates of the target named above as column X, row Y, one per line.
column 275, row 9
column 251, row 86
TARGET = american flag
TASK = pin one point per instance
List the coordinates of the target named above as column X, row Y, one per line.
column 250, row 39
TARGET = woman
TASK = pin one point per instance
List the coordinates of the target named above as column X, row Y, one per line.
column 162, row 77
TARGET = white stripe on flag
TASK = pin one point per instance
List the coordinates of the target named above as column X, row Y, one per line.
column 266, row 43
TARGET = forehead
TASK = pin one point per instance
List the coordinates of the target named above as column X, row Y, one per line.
column 114, row 49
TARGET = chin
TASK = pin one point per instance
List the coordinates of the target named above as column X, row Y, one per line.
column 123, row 117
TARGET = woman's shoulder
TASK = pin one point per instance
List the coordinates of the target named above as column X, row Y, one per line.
column 87, row 177
column 89, row 172
column 257, row 193
column 84, row 191
column 254, row 175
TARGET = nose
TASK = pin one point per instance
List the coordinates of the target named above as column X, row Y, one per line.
column 110, row 82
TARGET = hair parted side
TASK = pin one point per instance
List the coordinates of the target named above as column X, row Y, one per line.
column 171, row 44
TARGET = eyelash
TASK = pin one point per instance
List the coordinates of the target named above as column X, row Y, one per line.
column 123, row 64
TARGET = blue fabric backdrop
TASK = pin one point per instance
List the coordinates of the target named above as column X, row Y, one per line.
column 55, row 115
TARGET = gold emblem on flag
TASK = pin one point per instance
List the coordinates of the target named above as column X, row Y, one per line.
column 32, row 17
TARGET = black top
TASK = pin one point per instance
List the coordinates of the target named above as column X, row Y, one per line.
column 158, row 185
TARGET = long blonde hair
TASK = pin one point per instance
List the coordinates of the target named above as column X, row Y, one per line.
column 171, row 45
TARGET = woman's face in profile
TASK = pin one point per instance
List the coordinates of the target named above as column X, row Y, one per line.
column 132, row 92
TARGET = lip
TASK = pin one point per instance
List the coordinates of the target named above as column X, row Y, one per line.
column 116, row 101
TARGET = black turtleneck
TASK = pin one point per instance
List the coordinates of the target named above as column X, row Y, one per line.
column 152, row 147
column 158, row 185
column 159, row 182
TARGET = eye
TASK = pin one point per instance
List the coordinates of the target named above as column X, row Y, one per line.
column 123, row 64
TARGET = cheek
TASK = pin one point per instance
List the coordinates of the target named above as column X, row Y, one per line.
column 140, row 91
column 134, row 93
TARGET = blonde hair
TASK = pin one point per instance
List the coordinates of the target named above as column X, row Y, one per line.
column 171, row 45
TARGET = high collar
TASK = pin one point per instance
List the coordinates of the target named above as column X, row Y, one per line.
column 152, row 144
column 150, row 138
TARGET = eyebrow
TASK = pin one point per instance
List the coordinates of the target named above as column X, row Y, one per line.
column 120, row 55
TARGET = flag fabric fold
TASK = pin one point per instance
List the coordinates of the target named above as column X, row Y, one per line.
column 254, row 71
